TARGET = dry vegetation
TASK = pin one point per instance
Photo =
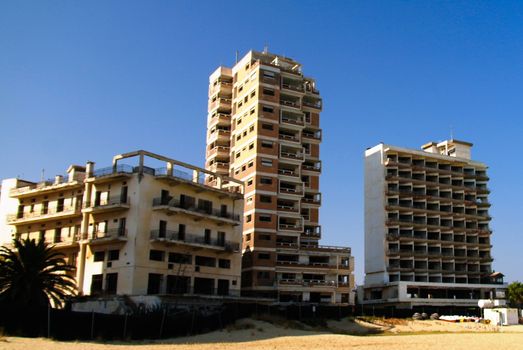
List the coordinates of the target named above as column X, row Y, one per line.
column 274, row 333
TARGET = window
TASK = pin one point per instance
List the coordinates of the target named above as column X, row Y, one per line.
column 99, row 256
column 268, row 92
column 266, row 199
column 224, row 263
column 207, row 236
column 265, row 180
column 265, row 237
column 180, row 258
column 205, row 206
column 248, row 237
column 113, row 255
column 156, row 255
column 111, row 283
column 96, row 284
column 253, row 93
column 252, row 111
column 265, row 218
column 248, row 218
column 205, row 261
column 251, row 164
column 251, row 128
column 267, row 126
column 154, row 284
column 251, row 146
column 268, row 109
column 264, row 256
column 266, row 162
column 266, row 144
column 249, row 182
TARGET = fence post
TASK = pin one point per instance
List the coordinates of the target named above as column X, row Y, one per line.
column 125, row 326
column 48, row 320
column 163, row 321
column 92, row 324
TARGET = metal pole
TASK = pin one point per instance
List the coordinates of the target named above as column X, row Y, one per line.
column 48, row 320
column 163, row 321
column 125, row 326
column 92, row 325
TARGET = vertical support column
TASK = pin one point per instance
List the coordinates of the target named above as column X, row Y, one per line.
column 219, row 181
column 169, row 169
column 195, row 176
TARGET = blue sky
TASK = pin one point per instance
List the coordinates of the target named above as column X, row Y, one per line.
column 87, row 80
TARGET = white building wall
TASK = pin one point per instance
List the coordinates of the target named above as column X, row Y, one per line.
column 375, row 263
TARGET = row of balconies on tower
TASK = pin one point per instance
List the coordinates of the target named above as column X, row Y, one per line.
column 434, row 166
column 395, row 234
column 458, row 253
column 438, row 278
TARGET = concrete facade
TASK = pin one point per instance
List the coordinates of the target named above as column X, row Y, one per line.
column 427, row 234
column 133, row 229
column 264, row 129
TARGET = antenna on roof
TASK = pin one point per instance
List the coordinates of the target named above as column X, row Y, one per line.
column 43, row 175
column 265, row 49
column 451, row 132
column 237, row 53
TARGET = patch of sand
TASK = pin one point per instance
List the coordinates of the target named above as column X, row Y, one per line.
column 255, row 334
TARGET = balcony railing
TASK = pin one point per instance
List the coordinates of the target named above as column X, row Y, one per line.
column 51, row 212
column 287, row 172
column 290, row 227
column 294, row 104
column 107, row 202
column 175, row 203
column 311, row 167
column 293, row 87
column 291, row 120
column 120, row 169
column 314, row 104
column 190, row 238
column 112, row 233
column 292, row 155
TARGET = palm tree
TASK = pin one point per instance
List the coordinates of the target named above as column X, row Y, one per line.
column 33, row 274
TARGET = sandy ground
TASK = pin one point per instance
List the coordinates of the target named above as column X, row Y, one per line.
column 254, row 334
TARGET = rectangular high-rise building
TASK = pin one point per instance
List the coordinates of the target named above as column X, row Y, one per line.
column 427, row 233
column 264, row 129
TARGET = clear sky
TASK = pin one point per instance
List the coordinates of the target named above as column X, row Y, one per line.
column 87, row 80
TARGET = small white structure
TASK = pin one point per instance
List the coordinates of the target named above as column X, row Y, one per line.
column 502, row 316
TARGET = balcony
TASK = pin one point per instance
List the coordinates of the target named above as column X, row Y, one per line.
column 288, row 206
column 221, row 119
column 44, row 215
column 174, row 205
column 314, row 167
column 219, row 167
column 219, row 135
column 287, row 245
column 221, row 86
column 292, row 120
column 289, row 137
column 218, row 151
column 325, row 248
column 312, row 231
column 311, row 199
column 290, row 190
column 288, row 226
column 107, row 205
column 221, row 103
column 311, row 135
column 292, row 174
column 48, row 186
column 312, row 103
column 110, row 173
column 292, row 86
column 291, row 155
column 197, row 241
column 112, row 235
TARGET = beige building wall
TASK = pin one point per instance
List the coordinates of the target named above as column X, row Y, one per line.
column 134, row 230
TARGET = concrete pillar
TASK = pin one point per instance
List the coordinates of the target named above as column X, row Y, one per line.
column 89, row 169
column 170, row 169
column 58, row 179
column 195, row 175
